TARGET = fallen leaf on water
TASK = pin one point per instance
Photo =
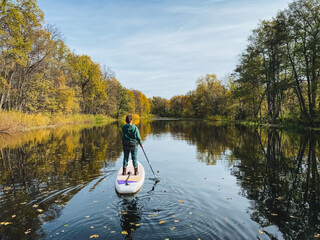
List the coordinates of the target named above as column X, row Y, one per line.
column 138, row 224
column 317, row 235
column 28, row 231
column 105, row 226
column 6, row 223
column 172, row 228
column 153, row 215
column 39, row 210
column 124, row 232
column 201, row 215
column 166, row 239
column 23, row 203
column 260, row 231
column 125, row 213
column 132, row 223
column 181, row 201
column 162, row 221
column 94, row 236
column 66, row 225
column 92, row 227
column 6, row 188
column 35, row 206
column 87, row 216
column 274, row 214
column 229, row 198
column 292, row 216
column 190, row 213
column 279, row 198
column 173, row 215
column 190, row 225
column 226, row 218
column 113, row 231
column 13, row 216
column 176, row 221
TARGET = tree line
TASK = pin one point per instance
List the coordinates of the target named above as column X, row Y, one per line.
column 39, row 73
column 276, row 79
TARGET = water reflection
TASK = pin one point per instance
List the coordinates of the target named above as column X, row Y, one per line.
column 42, row 171
column 39, row 177
column 130, row 216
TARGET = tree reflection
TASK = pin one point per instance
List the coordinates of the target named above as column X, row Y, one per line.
column 282, row 179
column 40, row 176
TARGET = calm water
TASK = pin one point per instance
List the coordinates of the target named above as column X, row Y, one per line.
column 217, row 182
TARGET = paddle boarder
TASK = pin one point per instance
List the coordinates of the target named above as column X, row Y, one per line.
column 130, row 140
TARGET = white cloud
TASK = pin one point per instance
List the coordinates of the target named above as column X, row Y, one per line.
column 161, row 47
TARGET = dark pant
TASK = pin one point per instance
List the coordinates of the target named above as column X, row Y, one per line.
column 133, row 157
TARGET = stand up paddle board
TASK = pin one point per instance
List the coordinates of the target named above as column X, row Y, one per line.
column 130, row 183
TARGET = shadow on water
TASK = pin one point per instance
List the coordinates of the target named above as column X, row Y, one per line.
column 277, row 171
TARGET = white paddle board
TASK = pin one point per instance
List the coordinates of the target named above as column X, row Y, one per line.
column 130, row 184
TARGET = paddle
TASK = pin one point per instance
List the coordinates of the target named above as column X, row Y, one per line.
column 156, row 179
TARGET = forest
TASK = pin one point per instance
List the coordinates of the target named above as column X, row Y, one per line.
column 39, row 73
column 276, row 79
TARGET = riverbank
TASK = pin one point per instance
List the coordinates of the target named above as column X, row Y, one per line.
column 18, row 122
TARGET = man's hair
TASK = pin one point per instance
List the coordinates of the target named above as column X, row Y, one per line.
column 129, row 118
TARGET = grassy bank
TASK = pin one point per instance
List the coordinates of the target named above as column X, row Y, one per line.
column 18, row 121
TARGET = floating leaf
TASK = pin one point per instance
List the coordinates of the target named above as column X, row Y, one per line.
column 94, row 236
column 181, row 201
column 124, row 232
column 13, row 216
column 87, row 216
column 138, row 224
column 166, row 239
column 39, row 210
column 161, row 222
column 153, row 215
column 260, row 231
column 132, row 223
column 176, row 221
column 274, row 214
column 190, row 213
column 66, row 225
column 292, row 216
column 113, row 231
column 35, row 206
column 125, row 213
column 28, row 231
column 317, row 235
column 23, row 203
column 279, row 198
column 173, row 215
column 229, row 198
column 226, row 218
column 92, row 227
column 6, row 223
column 172, row 228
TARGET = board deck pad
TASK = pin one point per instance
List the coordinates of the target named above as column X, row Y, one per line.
column 134, row 183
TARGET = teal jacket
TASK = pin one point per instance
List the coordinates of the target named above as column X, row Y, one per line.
column 131, row 134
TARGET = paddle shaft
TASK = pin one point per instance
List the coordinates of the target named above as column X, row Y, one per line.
column 148, row 161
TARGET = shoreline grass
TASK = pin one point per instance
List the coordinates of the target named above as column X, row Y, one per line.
column 13, row 121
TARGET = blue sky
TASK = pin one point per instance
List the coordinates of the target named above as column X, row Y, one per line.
column 160, row 47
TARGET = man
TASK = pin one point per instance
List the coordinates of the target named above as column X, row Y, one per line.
column 130, row 140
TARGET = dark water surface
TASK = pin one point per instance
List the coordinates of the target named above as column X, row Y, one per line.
column 217, row 182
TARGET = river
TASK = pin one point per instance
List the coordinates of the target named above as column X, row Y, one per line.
column 217, row 181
